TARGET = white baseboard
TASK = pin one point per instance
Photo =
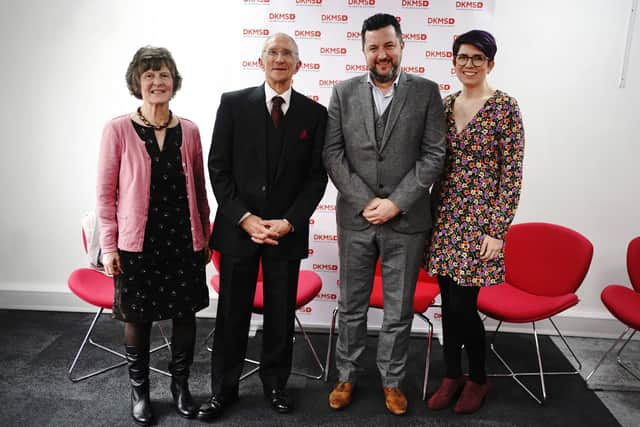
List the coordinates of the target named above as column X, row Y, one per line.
column 51, row 297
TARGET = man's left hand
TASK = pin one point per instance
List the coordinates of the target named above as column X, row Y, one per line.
column 379, row 211
column 278, row 227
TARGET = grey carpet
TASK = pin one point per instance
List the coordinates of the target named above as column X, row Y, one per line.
column 38, row 347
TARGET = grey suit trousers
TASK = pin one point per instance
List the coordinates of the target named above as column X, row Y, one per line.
column 400, row 256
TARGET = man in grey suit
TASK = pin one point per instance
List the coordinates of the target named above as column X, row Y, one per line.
column 384, row 148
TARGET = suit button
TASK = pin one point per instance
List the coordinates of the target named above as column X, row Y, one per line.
column 380, row 158
column 263, row 188
column 380, row 185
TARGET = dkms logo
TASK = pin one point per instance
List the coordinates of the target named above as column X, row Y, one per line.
column 361, row 3
column 282, row 17
column 310, row 66
column 415, row 4
column 317, row 237
column 442, row 21
column 332, row 18
column 307, row 34
column 414, row 37
column 470, row 5
column 255, row 32
column 415, row 69
column 251, row 64
column 333, row 51
column 353, row 35
column 438, row 54
column 327, row 207
column 325, row 267
column 326, row 83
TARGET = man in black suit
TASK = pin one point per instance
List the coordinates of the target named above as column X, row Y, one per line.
column 266, row 171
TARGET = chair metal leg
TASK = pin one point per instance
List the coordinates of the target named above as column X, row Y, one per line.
column 619, row 361
column 256, row 368
column 427, row 359
column 313, row 352
column 330, row 343
column 89, row 340
column 513, row 374
column 541, row 372
column 579, row 367
column 625, row 366
column 542, row 385
column 167, row 345
column 208, row 337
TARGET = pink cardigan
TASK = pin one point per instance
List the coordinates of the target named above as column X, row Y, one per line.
column 124, row 181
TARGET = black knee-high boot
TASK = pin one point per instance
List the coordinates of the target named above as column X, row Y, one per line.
column 139, row 378
column 182, row 344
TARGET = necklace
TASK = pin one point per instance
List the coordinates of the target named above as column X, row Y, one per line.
column 144, row 120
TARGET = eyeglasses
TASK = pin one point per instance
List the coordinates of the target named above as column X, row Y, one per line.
column 285, row 53
column 476, row 60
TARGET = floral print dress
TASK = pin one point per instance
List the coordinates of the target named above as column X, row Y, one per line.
column 479, row 191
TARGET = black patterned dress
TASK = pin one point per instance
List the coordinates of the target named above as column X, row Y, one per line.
column 167, row 279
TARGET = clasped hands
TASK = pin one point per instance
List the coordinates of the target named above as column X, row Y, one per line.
column 379, row 211
column 265, row 231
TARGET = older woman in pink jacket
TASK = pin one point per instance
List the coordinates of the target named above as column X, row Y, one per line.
column 154, row 225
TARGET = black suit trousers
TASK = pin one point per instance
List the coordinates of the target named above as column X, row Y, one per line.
column 238, row 277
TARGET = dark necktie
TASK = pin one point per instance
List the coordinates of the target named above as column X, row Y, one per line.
column 276, row 110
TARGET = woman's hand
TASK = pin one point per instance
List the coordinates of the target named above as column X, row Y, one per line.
column 111, row 262
column 490, row 248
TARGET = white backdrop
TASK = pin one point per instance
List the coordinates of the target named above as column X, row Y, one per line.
column 328, row 34
column 63, row 66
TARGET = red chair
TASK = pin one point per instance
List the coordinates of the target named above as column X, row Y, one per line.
column 309, row 286
column 97, row 289
column 545, row 264
column 427, row 290
column 624, row 303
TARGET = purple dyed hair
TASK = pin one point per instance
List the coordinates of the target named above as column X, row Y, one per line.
column 483, row 40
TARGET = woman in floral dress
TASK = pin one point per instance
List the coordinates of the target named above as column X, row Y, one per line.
column 474, row 203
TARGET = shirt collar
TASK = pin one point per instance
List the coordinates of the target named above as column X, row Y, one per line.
column 269, row 93
column 395, row 82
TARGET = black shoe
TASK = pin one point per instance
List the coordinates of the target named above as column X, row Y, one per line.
column 278, row 400
column 214, row 406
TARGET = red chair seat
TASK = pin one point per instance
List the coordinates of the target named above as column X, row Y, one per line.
column 623, row 303
column 92, row 286
column 309, row 285
column 508, row 303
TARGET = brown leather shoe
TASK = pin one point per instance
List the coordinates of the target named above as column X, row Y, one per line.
column 341, row 395
column 472, row 397
column 446, row 394
column 395, row 400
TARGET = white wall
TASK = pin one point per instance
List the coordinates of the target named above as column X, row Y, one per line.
column 63, row 67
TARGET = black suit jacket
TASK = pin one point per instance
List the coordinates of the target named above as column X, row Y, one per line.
column 238, row 171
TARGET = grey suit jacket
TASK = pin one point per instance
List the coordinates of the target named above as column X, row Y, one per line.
column 410, row 157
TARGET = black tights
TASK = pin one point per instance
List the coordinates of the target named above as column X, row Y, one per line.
column 461, row 325
column 183, row 334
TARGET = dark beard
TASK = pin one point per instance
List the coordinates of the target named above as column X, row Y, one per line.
column 384, row 78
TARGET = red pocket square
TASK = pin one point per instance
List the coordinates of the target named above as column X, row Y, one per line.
column 303, row 135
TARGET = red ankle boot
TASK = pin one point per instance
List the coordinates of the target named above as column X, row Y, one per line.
column 446, row 394
column 472, row 397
